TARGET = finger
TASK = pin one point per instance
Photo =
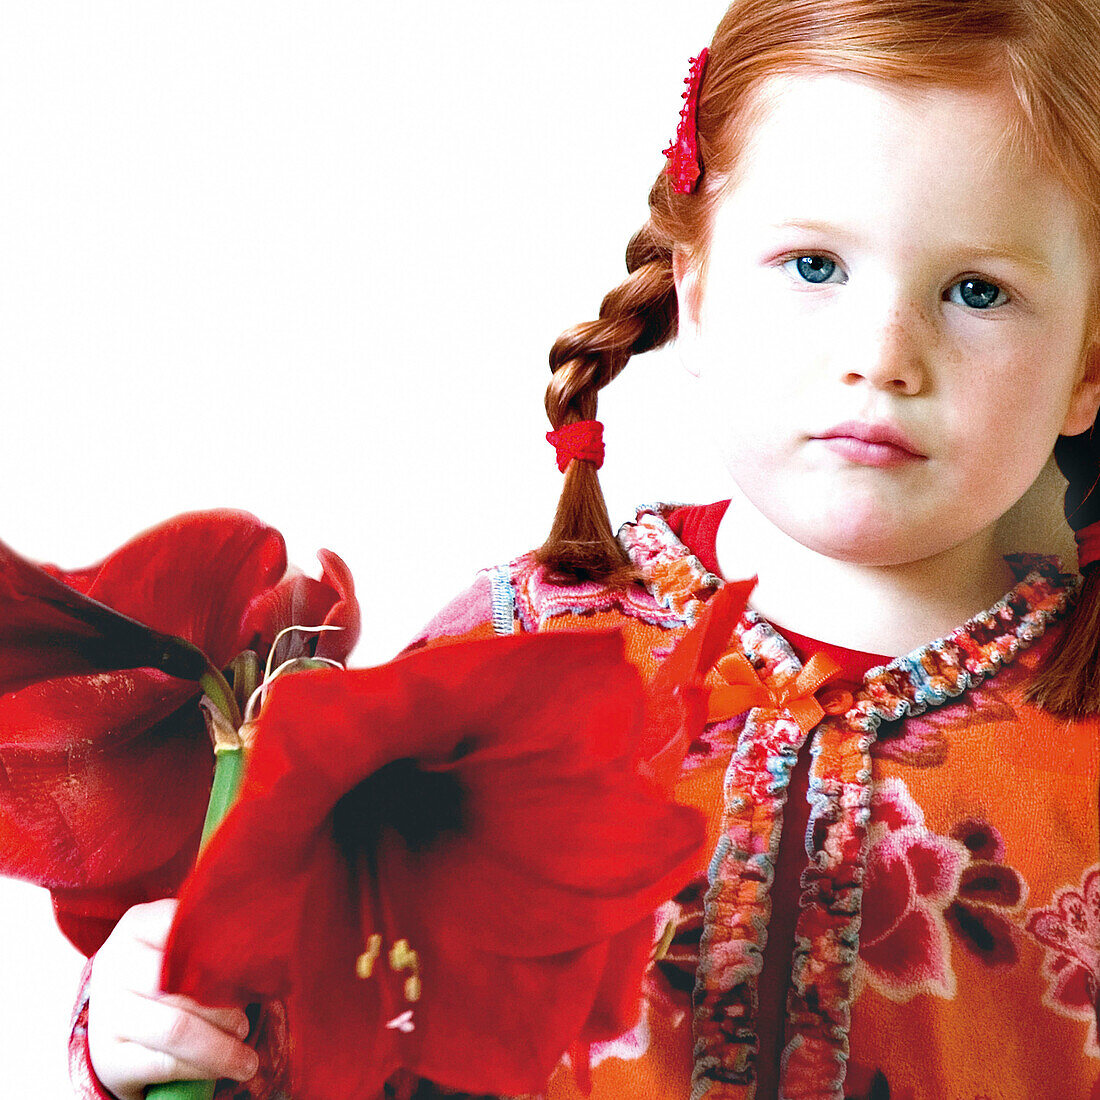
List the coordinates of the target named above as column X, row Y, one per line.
column 133, row 966
column 138, row 1068
column 233, row 1021
column 140, row 974
column 149, row 923
column 161, row 1042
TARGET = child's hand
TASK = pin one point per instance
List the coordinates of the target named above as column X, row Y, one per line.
column 138, row 1035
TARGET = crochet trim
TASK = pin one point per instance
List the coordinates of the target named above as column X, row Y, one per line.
column 737, row 905
column 675, row 578
column 537, row 600
column 503, row 601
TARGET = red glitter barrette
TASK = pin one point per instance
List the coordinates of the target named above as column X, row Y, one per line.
column 683, row 153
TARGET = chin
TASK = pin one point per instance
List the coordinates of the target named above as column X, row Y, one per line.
column 870, row 544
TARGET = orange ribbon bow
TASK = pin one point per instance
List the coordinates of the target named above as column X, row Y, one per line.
column 744, row 689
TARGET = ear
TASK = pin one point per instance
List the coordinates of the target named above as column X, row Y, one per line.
column 1085, row 401
column 688, row 301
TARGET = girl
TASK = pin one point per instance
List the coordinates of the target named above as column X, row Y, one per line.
column 875, row 240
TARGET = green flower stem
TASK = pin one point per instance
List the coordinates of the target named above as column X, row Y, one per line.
column 228, row 769
column 182, row 1090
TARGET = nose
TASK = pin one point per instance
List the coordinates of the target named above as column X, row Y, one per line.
column 889, row 355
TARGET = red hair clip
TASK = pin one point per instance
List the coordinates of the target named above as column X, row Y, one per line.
column 683, row 153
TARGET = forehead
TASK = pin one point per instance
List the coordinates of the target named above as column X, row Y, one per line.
column 837, row 148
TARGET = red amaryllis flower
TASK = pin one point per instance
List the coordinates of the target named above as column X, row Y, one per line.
column 105, row 763
column 448, row 864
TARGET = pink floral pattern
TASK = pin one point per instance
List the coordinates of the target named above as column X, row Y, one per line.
column 983, row 916
column 628, row 1047
column 1069, row 929
column 912, row 876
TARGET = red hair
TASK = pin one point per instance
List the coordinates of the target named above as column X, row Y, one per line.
column 1046, row 53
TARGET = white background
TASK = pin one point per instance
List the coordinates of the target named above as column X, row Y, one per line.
column 307, row 260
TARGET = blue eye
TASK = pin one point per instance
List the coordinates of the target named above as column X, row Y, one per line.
column 813, row 269
column 977, row 294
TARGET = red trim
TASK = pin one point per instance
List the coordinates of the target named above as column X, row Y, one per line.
column 1088, row 545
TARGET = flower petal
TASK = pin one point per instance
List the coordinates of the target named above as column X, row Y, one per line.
column 984, row 933
column 936, row 862
column 89, row 728
column 94, row 820
column 983, row 841
column 991, row 883
column 888, row 881
column 678, row 697
column 298, row 600
column 1075, row 988
column 1051, row 930
column 914, row 958
column 194, row 576
column 568, row 862
column 531, row 916
column 48, row 629
column 616, row 1008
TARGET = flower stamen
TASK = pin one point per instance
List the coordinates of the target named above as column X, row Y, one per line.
column 660, row 948
column 259, row 693
column 295, row 628
column 364, row 965
column 403, row 957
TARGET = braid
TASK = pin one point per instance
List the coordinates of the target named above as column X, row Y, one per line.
column 1069, row 682
column 638, row 315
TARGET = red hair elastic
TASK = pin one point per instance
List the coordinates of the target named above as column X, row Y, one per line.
column 583, row 440
column 1088, row 545
column 683, row 153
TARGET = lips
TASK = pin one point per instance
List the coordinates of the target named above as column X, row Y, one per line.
column 866, row 444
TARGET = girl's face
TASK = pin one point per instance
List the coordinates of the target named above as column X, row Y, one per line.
column 892, row 328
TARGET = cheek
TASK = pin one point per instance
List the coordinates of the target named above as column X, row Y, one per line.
column 745, row 358
column 1032, row 389
column 1007, row 416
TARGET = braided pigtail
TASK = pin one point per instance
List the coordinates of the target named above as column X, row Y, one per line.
column 1069, row 683
column 638, row 315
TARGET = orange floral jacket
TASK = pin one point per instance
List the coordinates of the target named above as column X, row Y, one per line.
column 947, row 945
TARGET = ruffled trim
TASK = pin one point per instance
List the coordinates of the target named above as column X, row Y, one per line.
column 676, row 579
column 675, row 589
column 539, row 600
column 944, row 669
column 737, row 905
column 827, row 933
